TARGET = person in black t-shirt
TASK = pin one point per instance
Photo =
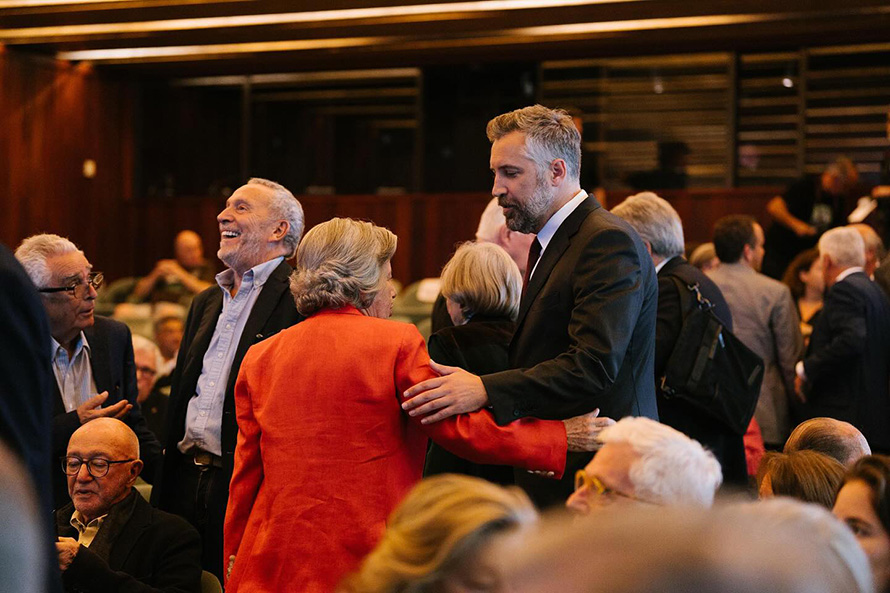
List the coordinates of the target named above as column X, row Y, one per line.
column 808, row 208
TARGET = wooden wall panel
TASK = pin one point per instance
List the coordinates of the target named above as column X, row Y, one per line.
column 54, row 116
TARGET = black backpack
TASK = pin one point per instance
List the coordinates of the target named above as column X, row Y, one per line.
column 710, row 367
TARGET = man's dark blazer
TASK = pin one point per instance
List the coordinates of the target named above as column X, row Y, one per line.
column 111, row 360
column 480, row 346
column 273, row 311
column 150, row 551
column 728, row 447
column 848, row 360
column 25, row 392
column 585, row 335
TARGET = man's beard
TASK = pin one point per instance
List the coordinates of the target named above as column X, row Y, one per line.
column 529, row 218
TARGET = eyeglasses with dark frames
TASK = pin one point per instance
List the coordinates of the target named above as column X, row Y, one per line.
column 79, row 288
column 97, row 467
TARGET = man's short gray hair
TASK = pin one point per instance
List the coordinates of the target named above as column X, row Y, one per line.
column 36, row 249
column 835, row 438
column 550, row 134
column 340, row 263
column 672, row 469
column 844, row 246
column 286, row 206
column 656, row 221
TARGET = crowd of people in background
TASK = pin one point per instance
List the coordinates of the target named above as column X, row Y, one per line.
column 269, row 428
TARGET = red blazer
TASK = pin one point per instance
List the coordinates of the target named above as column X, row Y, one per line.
column 325, row 451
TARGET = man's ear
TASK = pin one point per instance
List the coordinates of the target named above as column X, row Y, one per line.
column 280, row 231
column 135, row 470
column 558, row 171
column 648, row 247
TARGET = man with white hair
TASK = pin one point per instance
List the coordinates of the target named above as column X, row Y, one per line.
column 92, row 356
column 260, row 227
column 845, row 373
column 644, row 461
column 661, row 229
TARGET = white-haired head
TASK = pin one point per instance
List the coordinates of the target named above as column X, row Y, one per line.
column 844, row 246
column 36, row 250
column 672, row 469
column 656, row 221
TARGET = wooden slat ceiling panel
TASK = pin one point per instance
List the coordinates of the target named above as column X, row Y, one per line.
column 223, row 36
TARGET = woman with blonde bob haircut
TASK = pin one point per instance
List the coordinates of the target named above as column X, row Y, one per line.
column 451, row 533
column 482, row 287
column 481, row 279
column 325, row 451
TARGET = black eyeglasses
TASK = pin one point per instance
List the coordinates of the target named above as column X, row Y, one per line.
column 97, row 466
column 78, row 288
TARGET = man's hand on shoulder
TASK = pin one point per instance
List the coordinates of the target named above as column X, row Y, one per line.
column 67, row 548
column 454, row 392
column 582, row 432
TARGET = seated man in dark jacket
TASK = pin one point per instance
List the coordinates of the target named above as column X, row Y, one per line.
column 110, row 539
column 660, row 228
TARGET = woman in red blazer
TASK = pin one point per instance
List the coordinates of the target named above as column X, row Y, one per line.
column 325, row 452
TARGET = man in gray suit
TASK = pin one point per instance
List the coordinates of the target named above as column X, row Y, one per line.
column 764, row 319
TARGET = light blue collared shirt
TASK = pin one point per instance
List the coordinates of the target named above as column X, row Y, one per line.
column 74, row 375
column 550, row 228
column 203, row 419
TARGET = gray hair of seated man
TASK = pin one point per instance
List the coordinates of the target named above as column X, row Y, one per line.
column 672, row 468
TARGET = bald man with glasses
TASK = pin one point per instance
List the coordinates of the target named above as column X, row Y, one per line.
column 92, row 356
column 110, row 538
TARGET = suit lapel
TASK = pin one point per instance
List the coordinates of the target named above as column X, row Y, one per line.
column 99, row 358
column 557, row 246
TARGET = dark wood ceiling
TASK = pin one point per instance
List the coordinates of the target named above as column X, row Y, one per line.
column 204, row 37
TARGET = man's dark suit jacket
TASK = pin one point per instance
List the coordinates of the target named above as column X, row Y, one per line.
column 111, row 360
column 727, row 446
column 481, row 346
column 25, row 392
column 848, row 360
column 148, row 550
column 273, row 311
column 585, row 335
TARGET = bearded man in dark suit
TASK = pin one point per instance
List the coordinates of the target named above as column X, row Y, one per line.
column 260, row 227
column 586, row 328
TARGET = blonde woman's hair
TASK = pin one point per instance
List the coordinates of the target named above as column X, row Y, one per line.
column 483, row 279
column 340, row 262
column 443, row 520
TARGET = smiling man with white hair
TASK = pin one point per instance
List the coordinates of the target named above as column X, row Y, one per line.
column 846, row 371
column 260, row 227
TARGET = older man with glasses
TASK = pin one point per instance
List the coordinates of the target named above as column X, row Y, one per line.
column 92, row 356
column 110, row 538
column 645, row 462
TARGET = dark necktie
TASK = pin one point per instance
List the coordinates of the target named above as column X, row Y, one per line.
column 534, row 252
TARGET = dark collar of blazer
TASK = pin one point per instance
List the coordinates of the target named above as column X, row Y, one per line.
column 126, row 535
column 560, row 241
column 276, row 285
column 100, row 337
column 670, row 264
